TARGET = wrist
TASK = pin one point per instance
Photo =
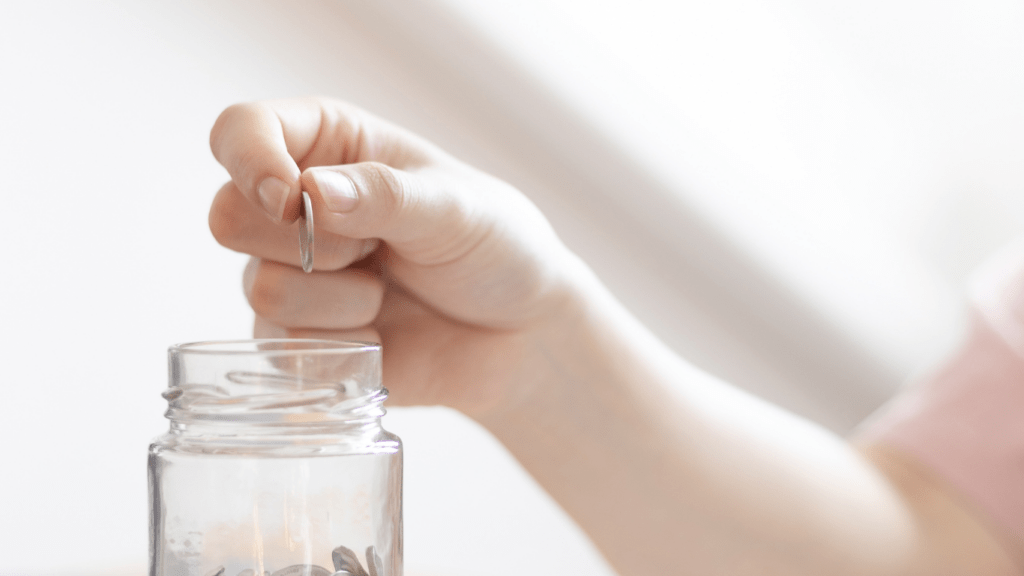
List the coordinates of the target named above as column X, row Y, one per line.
column 585, row 357
column 590, row 422
column 534, row 358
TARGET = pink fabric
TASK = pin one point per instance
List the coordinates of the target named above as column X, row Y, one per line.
column 966, row 421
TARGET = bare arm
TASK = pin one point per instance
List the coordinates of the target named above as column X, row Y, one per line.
column 480, row 307
column 673, row 472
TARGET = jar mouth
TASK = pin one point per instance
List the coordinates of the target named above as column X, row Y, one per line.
column 273, row 382
column 274, row 347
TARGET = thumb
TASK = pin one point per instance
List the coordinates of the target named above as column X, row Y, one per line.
column 422, row 216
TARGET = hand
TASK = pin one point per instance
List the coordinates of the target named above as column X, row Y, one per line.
column 450, row 269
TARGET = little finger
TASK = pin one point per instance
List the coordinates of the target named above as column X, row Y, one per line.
column 263, row 328
column 287, row 296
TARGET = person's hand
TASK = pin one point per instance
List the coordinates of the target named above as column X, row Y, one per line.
column 453, row 271
column 480, row 307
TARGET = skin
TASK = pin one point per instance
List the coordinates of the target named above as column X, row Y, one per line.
column 480, row 307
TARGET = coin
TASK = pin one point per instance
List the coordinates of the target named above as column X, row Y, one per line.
column 306, row 233
column 345, row 560
column 373, row 563
column 303, row 570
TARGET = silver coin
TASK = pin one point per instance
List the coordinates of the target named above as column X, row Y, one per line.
column 345, row 560
column 172, row 394
column 303, row 570
column 306, row 233
column 373, row 563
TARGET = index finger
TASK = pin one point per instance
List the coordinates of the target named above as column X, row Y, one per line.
column 265, row 146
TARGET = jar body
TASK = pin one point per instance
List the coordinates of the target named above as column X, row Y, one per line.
column 267, row 513
column 295, row 487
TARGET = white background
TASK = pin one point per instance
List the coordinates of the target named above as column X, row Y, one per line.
column 791, row 193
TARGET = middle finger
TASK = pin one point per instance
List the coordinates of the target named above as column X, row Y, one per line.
column 289, row 297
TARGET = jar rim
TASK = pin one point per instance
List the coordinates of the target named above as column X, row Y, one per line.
column 274, row 347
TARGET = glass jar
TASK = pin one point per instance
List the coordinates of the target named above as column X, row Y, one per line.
column 275, row 463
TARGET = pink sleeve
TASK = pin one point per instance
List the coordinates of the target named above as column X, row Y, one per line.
column 966, row 421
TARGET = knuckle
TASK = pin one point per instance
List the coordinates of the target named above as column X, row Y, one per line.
column 230, row 117
column 266, row 296
column 372, row 297
column 379, row 176
column 226, row 229
column 230, row 144
column 226, row 220
column 247, row 166
column 225, row 224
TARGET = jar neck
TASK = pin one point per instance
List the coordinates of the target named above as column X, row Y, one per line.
column 198, row 411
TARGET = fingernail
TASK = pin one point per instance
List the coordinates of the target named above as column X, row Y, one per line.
column 273, row 193
column 337, row 190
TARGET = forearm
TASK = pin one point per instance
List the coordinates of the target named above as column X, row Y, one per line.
column 671, row 472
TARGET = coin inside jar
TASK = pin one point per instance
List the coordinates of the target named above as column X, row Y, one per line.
column 306, row 233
